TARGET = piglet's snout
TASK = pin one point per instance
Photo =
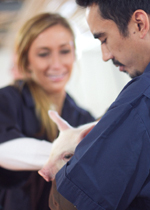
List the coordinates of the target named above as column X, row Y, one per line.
column 47, row 173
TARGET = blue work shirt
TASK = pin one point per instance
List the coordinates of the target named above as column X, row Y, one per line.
column 110, row 169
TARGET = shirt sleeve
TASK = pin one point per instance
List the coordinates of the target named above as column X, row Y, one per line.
column 109, row 166
column 24, row 154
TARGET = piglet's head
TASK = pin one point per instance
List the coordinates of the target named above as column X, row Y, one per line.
column 64, row 146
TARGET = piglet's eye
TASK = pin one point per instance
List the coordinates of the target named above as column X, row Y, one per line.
column 68, row 156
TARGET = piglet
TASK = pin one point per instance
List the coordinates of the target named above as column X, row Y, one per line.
column 64, row 146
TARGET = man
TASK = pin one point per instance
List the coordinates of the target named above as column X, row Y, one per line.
column 111, row 166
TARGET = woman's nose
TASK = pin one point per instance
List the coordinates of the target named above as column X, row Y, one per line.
column 106, row 54
column 55, row 61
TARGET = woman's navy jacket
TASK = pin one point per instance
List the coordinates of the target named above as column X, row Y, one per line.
column 26, row 190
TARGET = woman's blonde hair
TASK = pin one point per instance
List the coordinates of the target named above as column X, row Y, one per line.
column 25, row 37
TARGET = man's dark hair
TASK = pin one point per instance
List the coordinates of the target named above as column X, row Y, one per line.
column 120, row 11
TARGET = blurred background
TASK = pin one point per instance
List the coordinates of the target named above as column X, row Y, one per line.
column 94, row 84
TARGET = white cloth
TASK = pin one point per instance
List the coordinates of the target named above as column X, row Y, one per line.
column 24, row 154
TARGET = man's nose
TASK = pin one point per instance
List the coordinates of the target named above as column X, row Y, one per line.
column 106, row 54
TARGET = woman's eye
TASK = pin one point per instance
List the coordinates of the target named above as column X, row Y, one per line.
column 64, row 51
column 43, row 54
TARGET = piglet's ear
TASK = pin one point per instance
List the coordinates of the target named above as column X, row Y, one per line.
column 85, row 129
column 61, row 123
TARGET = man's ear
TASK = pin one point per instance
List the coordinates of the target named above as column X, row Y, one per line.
column 141, row 19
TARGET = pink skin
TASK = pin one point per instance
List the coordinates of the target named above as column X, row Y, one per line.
column 51, row 57
column 128, row 52
column 64, row 146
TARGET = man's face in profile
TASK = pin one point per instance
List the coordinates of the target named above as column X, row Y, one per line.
column 124, row 51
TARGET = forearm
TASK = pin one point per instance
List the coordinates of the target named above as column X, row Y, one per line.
column 24, row 154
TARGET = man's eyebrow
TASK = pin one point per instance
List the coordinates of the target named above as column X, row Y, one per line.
column 98, row 35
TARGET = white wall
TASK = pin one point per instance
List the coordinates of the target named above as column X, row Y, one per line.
column 5, row 66
column 94, row 84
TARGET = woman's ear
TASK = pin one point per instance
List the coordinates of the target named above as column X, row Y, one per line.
column 28, row 70
column 142, row 24
column 28, row 67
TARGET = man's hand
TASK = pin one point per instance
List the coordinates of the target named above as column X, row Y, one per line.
column 57, row 201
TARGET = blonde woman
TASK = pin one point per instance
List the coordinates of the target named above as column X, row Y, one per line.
column 45, row 51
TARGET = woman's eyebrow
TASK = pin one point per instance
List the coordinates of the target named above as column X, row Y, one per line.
column 65, row 44
column 43, row 48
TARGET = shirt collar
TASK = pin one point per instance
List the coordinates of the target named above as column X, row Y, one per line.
column 147, row 69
